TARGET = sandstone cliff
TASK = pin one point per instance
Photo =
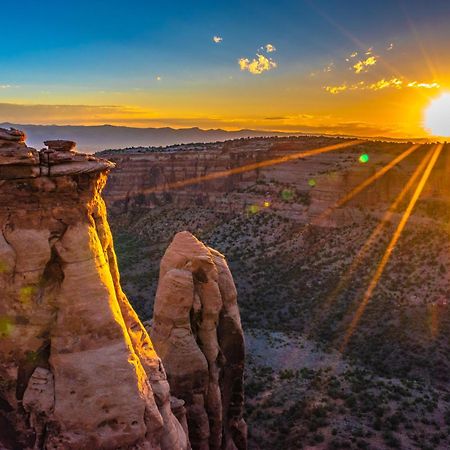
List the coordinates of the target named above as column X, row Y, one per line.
column 299, row 189
column 197, row 332
column 77, row 368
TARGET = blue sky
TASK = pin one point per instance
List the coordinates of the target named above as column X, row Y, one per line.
column 73, row 52
column 88, row 39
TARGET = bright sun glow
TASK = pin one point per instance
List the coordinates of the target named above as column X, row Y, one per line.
column 437, row 116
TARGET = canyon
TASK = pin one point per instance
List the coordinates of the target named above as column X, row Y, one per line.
column 266, row 172
column 78, row 369
column 153, row 358
column 295, row 231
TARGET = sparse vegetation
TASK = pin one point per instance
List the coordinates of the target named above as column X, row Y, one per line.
column 390, row 388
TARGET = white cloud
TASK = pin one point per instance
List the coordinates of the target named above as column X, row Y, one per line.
column 364, row 64
column 351, row 56
column 257, row 65
column 270, row 48
column 159, row 78
column 329, row 67
column 5, row 86
column 217, row 39
column 416, row 84
column 390, row 47
column 384, row 83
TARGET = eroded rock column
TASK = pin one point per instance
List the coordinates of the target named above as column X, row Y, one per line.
column 197, row 333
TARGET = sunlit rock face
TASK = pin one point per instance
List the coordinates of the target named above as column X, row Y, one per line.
column 77, row 368
column 299, row 189
column 197, row 333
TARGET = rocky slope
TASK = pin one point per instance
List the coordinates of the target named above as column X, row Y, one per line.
column 301, row 282
column 197, row 332
column 77, row 368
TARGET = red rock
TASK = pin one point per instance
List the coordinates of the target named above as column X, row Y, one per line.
column 61, row 145
column 77, row 368
column 197, row 332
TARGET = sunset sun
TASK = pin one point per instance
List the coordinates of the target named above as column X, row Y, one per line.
column 437, row 116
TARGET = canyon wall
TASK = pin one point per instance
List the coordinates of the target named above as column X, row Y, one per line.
column 301, row 189
column 197, row 332
column 77, row 368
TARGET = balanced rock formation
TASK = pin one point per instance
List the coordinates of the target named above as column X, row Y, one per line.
column 197, row 333
column 77, row 368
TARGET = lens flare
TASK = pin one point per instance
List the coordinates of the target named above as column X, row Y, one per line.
column 437, row 116
column 6, row 326
column 366, row 183
column 287, row 194
column 364, row 158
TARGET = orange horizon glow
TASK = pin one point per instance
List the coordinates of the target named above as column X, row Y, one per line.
column 415, row 126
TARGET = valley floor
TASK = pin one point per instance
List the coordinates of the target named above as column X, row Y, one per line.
column 298, row 289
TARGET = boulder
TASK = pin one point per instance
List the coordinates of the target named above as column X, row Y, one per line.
column 60, row 145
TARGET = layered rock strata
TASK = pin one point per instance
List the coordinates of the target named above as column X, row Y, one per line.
column 77, row 368
column 197, row 332
column 299, row 189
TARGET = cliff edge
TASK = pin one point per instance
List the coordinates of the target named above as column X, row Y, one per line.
column 77, row 368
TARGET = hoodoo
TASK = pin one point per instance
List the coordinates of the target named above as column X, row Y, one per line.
column 197, row 332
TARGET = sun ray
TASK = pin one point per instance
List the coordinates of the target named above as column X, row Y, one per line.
column 378, row 229
column 249, row 167
column 366, row 183
column 359, row 44
column 363, row 48
column 391, row 246
column 431, row 67
column 365, row 249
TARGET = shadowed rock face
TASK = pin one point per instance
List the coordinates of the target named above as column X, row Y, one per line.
column 77, row 368
column 197, row 333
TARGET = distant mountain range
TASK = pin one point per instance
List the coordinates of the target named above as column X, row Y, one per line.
column 94, row 138
column 91, row 139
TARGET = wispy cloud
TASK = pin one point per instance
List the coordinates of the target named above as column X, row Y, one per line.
column 415, row 84
column 383, row 84
column 257, row 65
column 217, row 39
column 364, row 64
column 270, row 48
column 379, row 85
column 5, row 86
column 329, row 67
column 69, row 114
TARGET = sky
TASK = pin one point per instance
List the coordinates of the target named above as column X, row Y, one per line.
column 367, row 68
